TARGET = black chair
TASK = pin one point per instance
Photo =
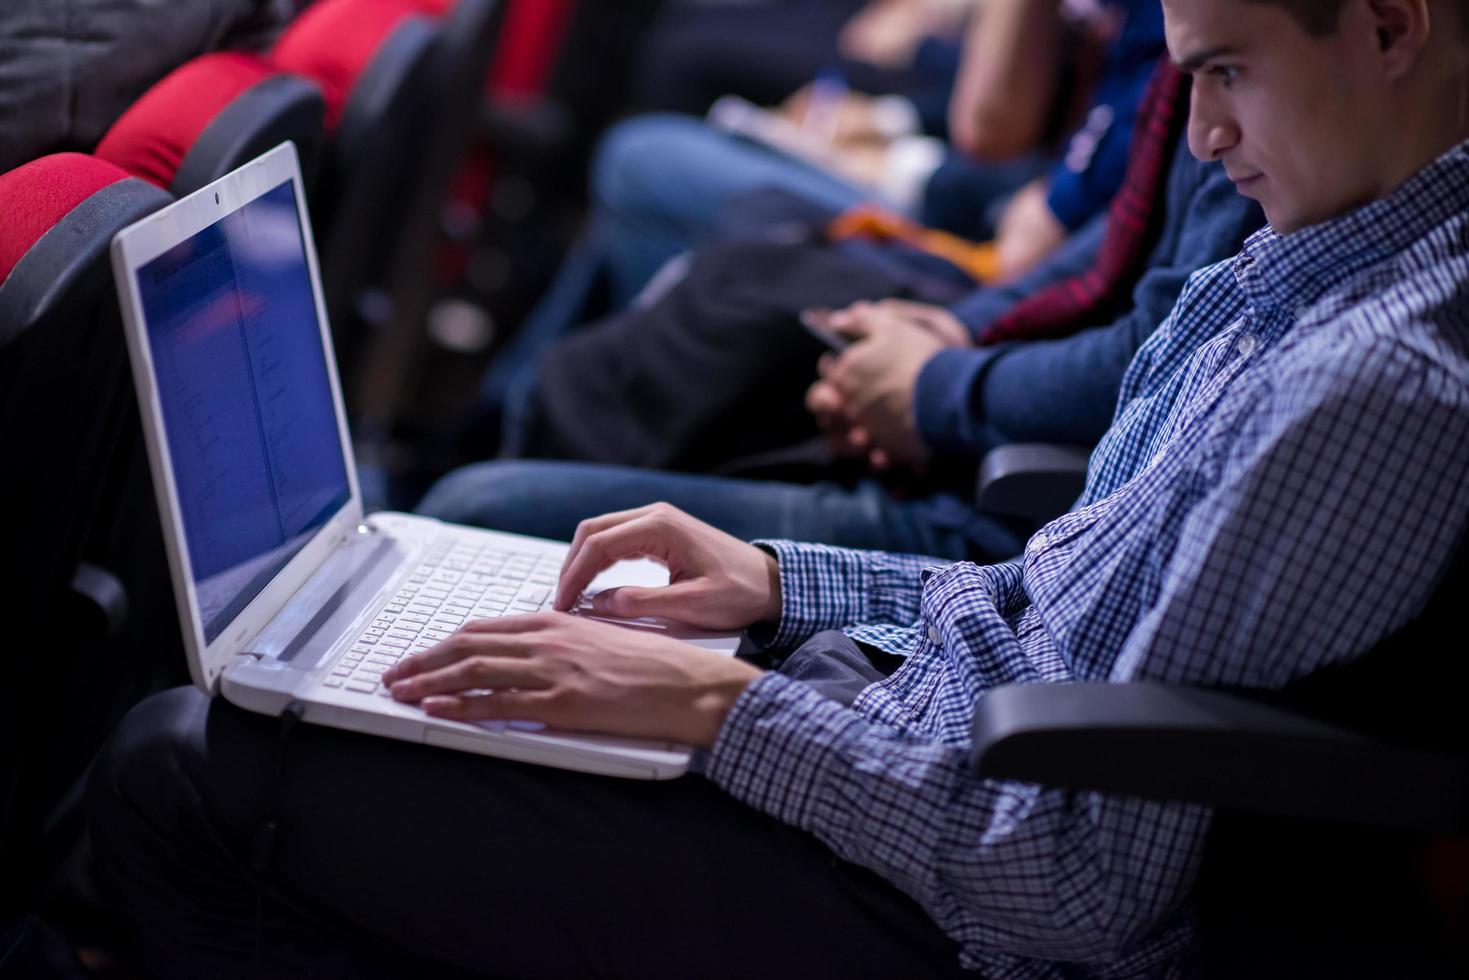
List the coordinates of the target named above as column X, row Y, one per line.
column 1032, row 482
column 1340, row 844
column 65, row 410
column 375, row 61
column 467, row 41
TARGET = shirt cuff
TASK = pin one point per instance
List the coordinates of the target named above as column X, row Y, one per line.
column 943, row 408
column 818, row 591
column 827, row 588
column 771, row 748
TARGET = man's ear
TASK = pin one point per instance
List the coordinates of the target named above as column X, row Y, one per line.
column 1402, row 28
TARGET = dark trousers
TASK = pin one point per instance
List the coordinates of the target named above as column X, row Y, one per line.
column 395, row 859
column 713, row 372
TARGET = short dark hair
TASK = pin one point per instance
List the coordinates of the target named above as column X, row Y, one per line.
column 1317, row 18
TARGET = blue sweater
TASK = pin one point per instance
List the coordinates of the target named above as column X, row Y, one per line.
column 969, row 400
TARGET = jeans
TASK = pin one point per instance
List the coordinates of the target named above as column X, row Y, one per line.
column 548, row 500
column 660, row 183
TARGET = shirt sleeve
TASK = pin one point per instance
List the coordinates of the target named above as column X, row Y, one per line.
column 1010, row 870
column 1065, row 390
column 1329, row 522
column 824, row 588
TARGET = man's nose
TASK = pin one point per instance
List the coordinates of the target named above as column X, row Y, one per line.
column 1211, row 133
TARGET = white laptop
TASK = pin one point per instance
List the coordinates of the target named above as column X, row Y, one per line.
column 286, row 590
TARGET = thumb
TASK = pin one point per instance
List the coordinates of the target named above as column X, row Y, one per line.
column 632, row 602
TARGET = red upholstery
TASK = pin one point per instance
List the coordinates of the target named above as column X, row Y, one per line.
column 333, row 42
column 529, row 46
column 36, row 195
column 154, row 135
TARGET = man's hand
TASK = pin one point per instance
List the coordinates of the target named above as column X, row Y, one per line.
column 715, row 581
column 1028, row 230
column 869, row 388
column 576, row 675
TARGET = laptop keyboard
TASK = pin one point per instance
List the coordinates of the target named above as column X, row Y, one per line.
column 457, row 580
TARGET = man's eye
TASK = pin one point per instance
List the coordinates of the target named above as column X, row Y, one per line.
column 1224, row 74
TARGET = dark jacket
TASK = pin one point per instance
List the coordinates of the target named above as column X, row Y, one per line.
column 69, row 68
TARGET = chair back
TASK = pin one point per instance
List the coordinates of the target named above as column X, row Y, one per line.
column 375, row 63
column 212, row 115
column 66, row 405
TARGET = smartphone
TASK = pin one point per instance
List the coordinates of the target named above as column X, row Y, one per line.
column 815, row 323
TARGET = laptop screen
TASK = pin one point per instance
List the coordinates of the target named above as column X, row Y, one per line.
column 247, row 402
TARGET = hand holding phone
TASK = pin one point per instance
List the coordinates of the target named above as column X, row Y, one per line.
column 816, row 323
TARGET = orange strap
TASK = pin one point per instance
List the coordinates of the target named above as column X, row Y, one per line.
column 979, row 259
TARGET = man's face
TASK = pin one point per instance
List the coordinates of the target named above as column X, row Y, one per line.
column 1295, row 119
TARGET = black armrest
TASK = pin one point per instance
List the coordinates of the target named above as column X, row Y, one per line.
column 1177, row 743
column 101, row 597
column 1031, row 480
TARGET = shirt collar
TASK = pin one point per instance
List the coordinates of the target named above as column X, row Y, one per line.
column 1293, row 271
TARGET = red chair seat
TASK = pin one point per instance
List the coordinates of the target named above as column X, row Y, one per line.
column 34, row 197
column 152, row 138
column 333, row 42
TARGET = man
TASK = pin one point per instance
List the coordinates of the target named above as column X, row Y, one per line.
column 1288, row 461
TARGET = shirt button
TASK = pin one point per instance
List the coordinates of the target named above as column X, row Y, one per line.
column 1246, row 345
column 933, row 635
column 1039, row 541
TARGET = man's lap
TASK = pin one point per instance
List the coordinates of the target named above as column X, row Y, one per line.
column 406, row 853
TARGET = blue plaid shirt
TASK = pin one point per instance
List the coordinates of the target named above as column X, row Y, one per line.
column 1286, row 477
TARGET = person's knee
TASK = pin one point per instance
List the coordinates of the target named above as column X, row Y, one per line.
column 145, row 747
column 632, row 165
column 486, row 494
column 139, row 771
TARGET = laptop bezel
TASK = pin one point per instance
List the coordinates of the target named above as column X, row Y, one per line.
column 133, row 248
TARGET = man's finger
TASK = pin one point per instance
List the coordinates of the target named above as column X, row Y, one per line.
column 498, row 706
column 856, row 322
column 822, row 399
column 472, row 674
column 468, row 641
column 592, row 525
column 631, row 602
column 642, row 537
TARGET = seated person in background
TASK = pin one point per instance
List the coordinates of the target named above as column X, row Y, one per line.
column 662, row 184
column 916, row 379
column 69, row 70
column 1298, row 473
column 660, row 181
column 711, row 377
